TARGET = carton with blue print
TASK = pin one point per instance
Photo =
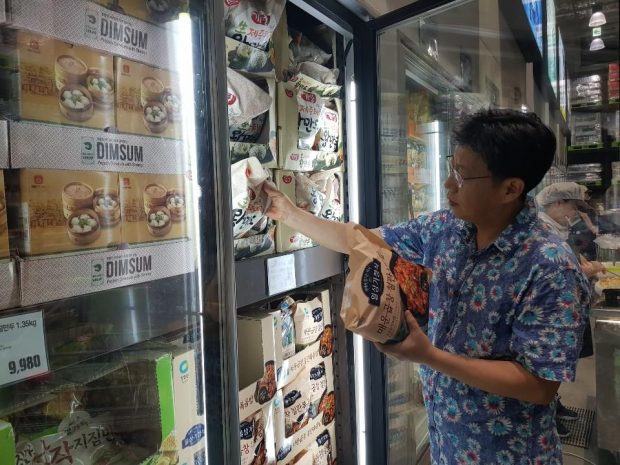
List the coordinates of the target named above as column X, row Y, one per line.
column 381, row 286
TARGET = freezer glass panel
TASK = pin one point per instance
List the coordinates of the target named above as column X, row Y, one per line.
column 111, row 335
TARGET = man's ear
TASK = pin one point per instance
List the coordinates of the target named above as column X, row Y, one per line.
column 512, row 189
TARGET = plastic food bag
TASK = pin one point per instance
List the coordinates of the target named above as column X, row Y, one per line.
column 246, row 101
column 380, row 287
column 309, row 323
column 252, row 21
column 310, row 107
column 249, row 202
column 304, row 50
column 319, row 193
column 302, row 398
column 319, row 72
column 255, row 244
column 252, row 432
column 287, row 308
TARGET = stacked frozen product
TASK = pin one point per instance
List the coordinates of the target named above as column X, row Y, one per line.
column 613, row 83
column 285, row 113
column 287, row 402
column 587, row 90
column 589, row 174
column 586, row 129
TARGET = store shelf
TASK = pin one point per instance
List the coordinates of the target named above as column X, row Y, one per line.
column 98, row 271
column 85, row 23
column 73, row 148
column 600, row 155
column 311, row 265
column 598, row 108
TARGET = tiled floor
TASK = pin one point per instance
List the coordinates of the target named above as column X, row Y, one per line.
column 582, row 394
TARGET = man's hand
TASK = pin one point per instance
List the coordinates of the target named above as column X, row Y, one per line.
column 586, row 219
column 416, row 347
column 281, row 206
column 591, row 269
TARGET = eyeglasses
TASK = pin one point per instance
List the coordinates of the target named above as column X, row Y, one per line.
column 457, row 176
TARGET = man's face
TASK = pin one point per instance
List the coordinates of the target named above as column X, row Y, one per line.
column 476, row 199
column 563, row 211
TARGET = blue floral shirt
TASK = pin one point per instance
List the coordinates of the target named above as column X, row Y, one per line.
column 523, row 298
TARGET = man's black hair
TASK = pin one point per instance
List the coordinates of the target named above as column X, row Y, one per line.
column 513, row 144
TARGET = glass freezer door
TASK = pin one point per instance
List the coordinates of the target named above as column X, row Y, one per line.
column 114, row 340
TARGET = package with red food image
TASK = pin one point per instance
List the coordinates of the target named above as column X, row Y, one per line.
column 380, row 287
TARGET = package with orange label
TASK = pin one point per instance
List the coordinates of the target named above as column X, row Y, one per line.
column 4, row 230
column 153, row 207
column 63, row 83
column 148, row 100
column 66, row 211
column 380, row 287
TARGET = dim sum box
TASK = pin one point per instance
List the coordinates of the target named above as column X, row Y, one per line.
column 287, row 238
column 7, row 444
column 63, row 83
column 256, row 433
column 66, row 211
column 153, row 207
column 266, row 147
column 291, row 157
column 319, row 431
column 260, row 358
column 316, row 352
column 148, row 100
column 152, row 11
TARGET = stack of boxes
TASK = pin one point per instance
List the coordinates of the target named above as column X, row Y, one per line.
column 587, row 90
column 586, row 129
column 287, row 407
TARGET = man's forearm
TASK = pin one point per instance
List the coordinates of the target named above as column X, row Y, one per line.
column 330, row 234
column 505, row 378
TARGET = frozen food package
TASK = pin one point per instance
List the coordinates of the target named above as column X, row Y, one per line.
column 310, row 107
column 249, row 202
column 287, row 309
column 302, row 397
column 246, row 100
column 319, row 72
column 380, row 287
column 304, row 50
column 330, row 129
column 254, row 245
column 252, row 21
column 248, row 131
column 319, row 193
column 319, row 452
column 309, row 323
column 252, row 434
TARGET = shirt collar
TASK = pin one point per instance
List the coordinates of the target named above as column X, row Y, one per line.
column 507, row 241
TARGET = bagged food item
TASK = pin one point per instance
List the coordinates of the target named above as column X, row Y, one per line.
column 302, row 398
column 246, row 100
column 330, row 128
column 252, row 21
column 248, row 131
column 287, row 309
column 309, row 323
column 310, row 110
column 252, row 433
column 256, row 244
column 304, row 50
column 319, row 72
column 380, row 287
column 319, row 193
column 319, row 452
column 249, row 201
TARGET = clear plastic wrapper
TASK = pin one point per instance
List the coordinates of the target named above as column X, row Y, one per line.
column 303, row 49
column 252, row 21
column 249, row 202
column 246, row 101
column 309, row 323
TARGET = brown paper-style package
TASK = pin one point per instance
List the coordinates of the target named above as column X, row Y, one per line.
column 148, row 100
column 153, row 207
column 67, row 211
column 4, row 231
column 380, row 287
column 63, row 83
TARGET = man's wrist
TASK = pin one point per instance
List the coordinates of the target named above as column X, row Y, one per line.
column 431, row 356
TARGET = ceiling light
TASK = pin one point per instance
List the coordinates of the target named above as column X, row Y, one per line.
column 597, row 44
column 597, row 18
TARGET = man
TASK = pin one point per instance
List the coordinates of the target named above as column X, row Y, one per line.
column 562, row 206
column 506, row 300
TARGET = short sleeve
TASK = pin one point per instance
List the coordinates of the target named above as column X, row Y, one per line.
column 548, row 328
column 410, row 239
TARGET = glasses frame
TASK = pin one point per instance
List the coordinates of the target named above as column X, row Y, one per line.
column 452, row 171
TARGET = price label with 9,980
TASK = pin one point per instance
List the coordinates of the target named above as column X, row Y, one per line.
column 22, row 347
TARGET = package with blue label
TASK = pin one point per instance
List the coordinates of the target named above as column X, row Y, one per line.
column 380, row 287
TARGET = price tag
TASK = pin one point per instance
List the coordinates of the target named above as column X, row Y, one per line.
column 22, row 347
column 281, row 274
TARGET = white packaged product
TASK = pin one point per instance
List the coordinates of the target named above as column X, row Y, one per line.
column 302, row 398
column 319, row 193
column 309, row 323
column 330, row 129
column 249, row 202
column 319, row 72
column 257, row 244
column 287, row 309
column 246, row 101
column 305, row 50
column 252, row 435
column 252, row 21
column 310, row 108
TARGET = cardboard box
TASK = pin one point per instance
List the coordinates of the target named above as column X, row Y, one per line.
column 59, row 211
column 161, row 195
column 318, row 351
column 291, row 157
column 266, row 147
column 4, row 228
column 287, row 238
column 148, row 10
column 257, row 438
column 148, row 100
column 7, row 444
column 260, row 358
column 65, row 84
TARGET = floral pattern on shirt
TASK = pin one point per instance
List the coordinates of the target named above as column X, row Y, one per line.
column 523, row 298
